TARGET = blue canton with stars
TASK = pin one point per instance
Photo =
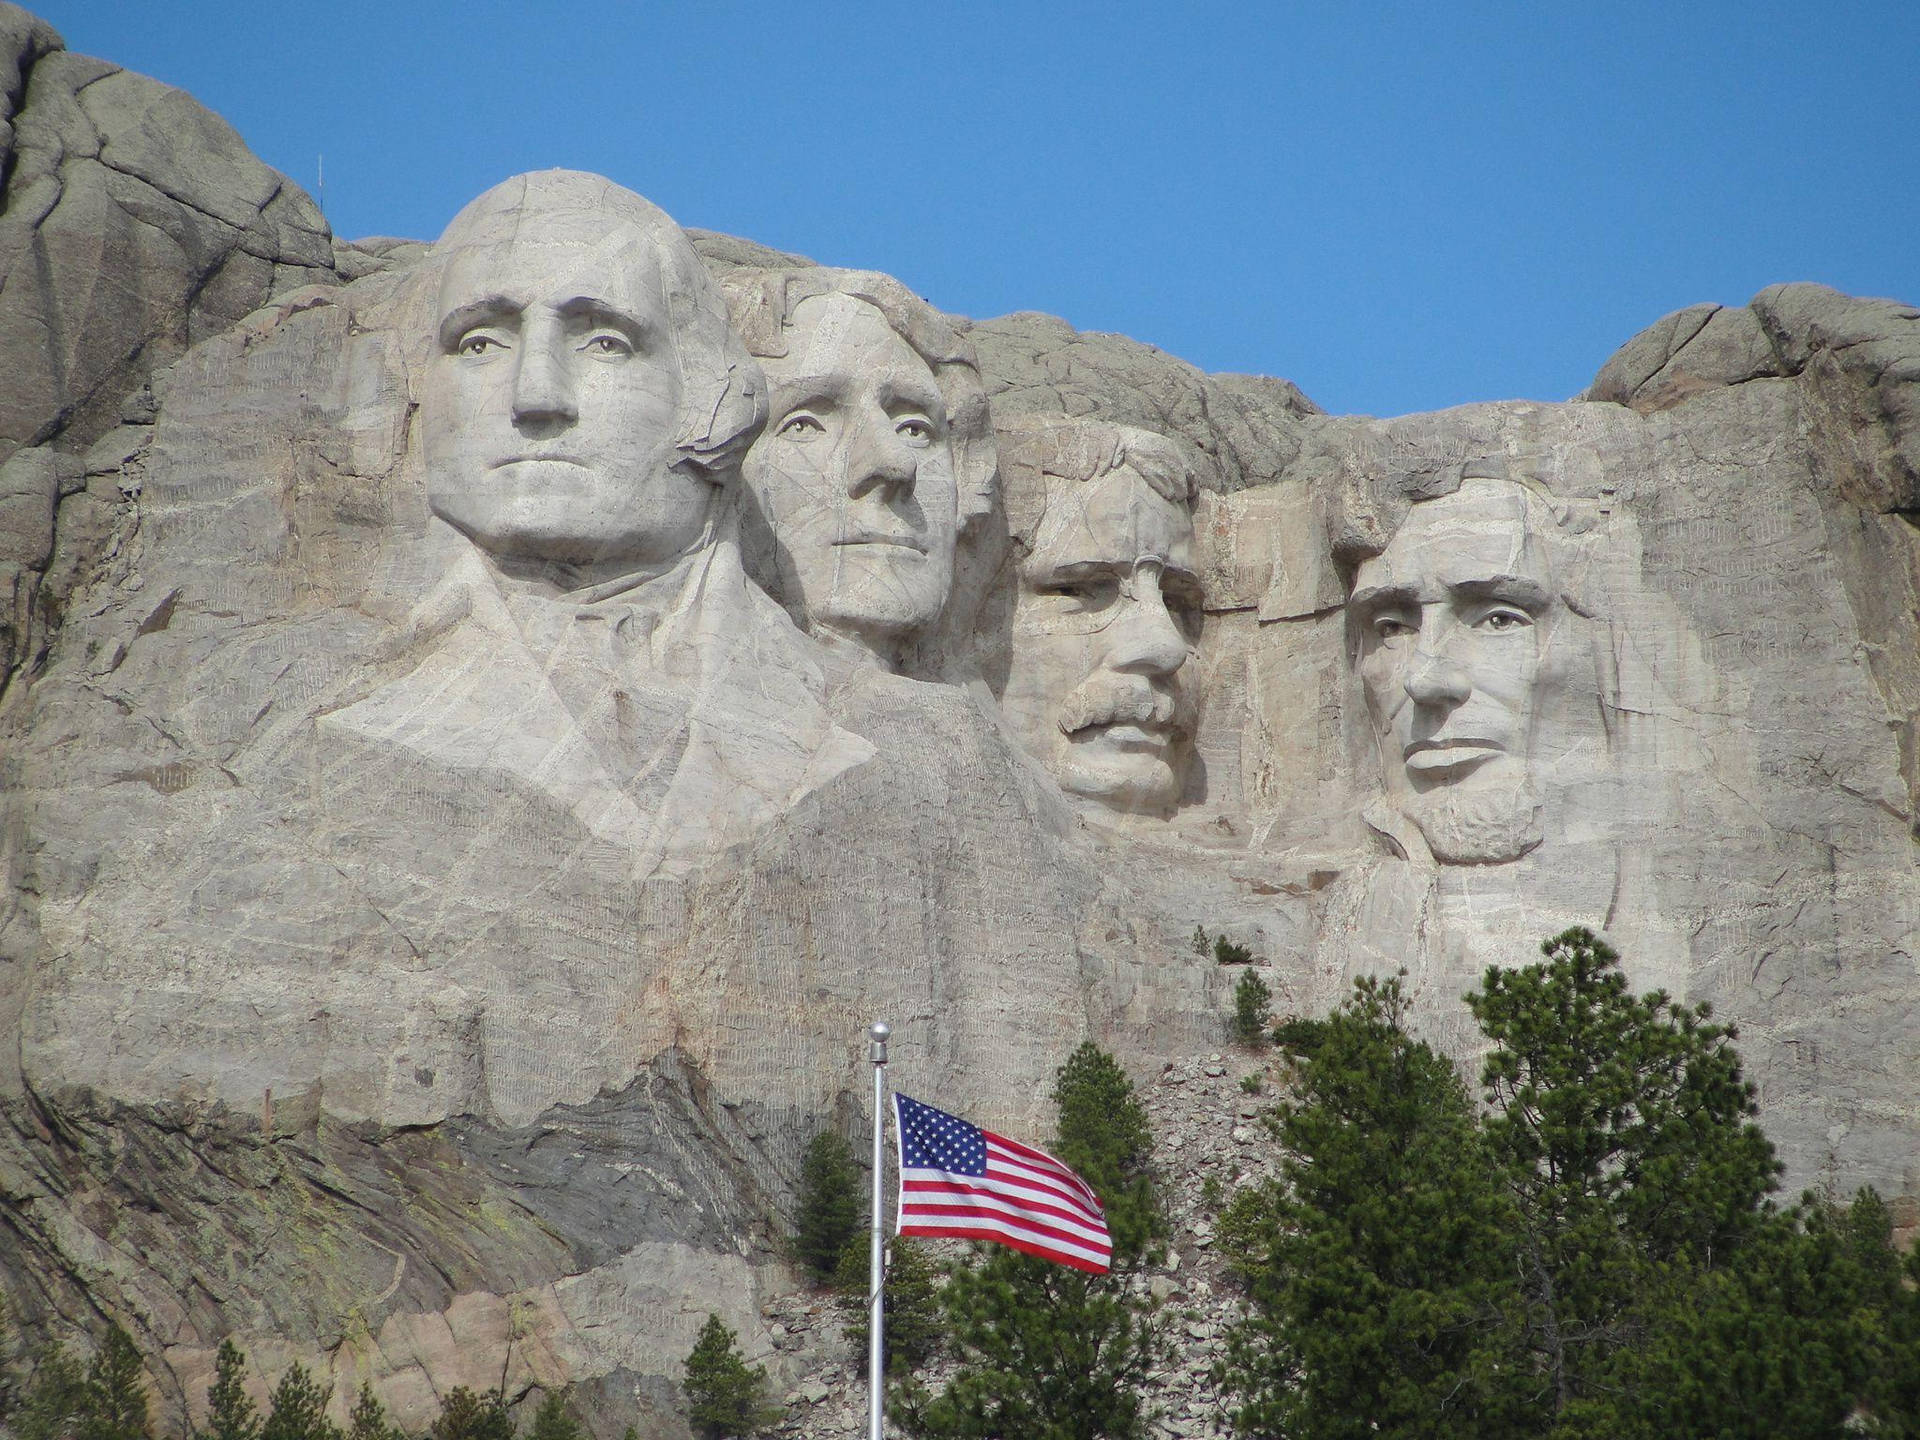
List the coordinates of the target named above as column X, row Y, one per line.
column 931, row 1139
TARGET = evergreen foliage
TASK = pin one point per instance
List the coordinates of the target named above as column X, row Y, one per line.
column 1375, row 1260
column 1594, row 1256
column 830, row 1210
column 230, row 1414
column 116, row 1392
column 1226, row 952
column 728, row 1398
column 55, row 1399
column 1047, row 1352
column 554, row 1420
column 1252, row 1009
column 916, row 1326
column 297, row 1409
column 467, row 1416
column 369, row 1419
column 1200, row 941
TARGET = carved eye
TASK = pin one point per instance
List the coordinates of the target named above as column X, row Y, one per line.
column 801, row 426
column 479, row 343
column 608, row 344
column 916, row 431
column 1391, row 627
column 1504, row 619
column 1091, row 592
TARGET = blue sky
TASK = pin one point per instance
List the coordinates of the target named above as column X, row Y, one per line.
column 1399, row 206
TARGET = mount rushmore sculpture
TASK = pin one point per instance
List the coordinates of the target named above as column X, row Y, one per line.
column 488, row 723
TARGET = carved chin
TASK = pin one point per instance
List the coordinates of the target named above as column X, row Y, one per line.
column 1482, row 824
column 1134, row 782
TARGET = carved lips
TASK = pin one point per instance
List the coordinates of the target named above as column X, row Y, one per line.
column 1448, row 759
column 897, row 542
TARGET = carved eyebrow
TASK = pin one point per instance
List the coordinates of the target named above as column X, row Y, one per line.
column 916, row 392
column 597, row 311
column 489, row 308
column 1381, row 597
column 1513, row 589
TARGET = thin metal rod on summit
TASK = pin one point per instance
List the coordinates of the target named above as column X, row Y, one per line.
column 877, row 1034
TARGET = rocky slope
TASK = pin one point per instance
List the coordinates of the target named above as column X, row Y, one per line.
column 401, row 1069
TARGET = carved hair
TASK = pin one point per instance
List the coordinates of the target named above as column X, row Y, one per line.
column 763, row 303
column 1082, row 450
column 723, row 397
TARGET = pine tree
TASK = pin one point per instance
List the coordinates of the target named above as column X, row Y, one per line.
column 916, row 1327
column 1624, row 1129
column 1252, row 1009
column 830, row 1211
column 297, row 1409
column 369, row 1419
column 467, row 1416
column 554, row 1420
column 230, row 1414
column 1375, row 1263
column 1594, row 1257
column 116, row 1392
column 55, row 1399
column 1048, row 1352
column 727, row 1398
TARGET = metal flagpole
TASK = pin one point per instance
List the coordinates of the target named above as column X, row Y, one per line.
column 877, row 1034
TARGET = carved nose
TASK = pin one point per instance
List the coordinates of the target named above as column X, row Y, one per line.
column 542, row 382
column 1435, row 680
column 1146, row 640
column 878, row 459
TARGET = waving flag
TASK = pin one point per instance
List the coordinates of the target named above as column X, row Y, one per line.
column 965, row 1183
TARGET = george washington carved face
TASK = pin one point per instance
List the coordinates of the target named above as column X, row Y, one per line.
column 578, row 364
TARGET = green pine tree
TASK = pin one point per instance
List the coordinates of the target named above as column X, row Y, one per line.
column 916, row 1326
column 467, row 1416
column 830, row 1210
column 1048, row 1352
column 726, row 1396
column 554, row 1420
column 1252, row 1009
column 116, row 1392
column 230, row 1414
column 1376, row 1264
column 369, row 1419
column 1623, row 1128
column 55, row 1398
column 297, row 1409
column 1594, row 1256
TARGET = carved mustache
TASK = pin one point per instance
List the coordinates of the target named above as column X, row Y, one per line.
column 1121, row 700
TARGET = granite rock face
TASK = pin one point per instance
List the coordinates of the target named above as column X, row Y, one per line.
column 489, row 727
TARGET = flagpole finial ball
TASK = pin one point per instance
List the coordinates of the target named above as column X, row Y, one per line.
column 880, row 1030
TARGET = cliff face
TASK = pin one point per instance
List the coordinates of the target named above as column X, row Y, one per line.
column 429, row 970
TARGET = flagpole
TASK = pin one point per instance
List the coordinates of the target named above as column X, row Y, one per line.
column 877, row 1034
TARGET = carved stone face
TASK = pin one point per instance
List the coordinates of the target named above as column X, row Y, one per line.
column 549, row 407
column 1455, row 623
column 854, row 475
column 1105, row 623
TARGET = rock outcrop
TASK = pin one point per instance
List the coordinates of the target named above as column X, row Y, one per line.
column 438, row 914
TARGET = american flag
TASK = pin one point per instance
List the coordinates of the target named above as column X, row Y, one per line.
column 962, row 1182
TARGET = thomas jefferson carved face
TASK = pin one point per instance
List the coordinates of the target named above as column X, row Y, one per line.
column 551, row 405
column 1105, row 624
column 854, row 475
column 1455, row 622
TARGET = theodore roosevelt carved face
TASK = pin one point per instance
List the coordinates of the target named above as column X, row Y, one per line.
column 1107, row 611
column 584, row 394
column 1454, row 626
